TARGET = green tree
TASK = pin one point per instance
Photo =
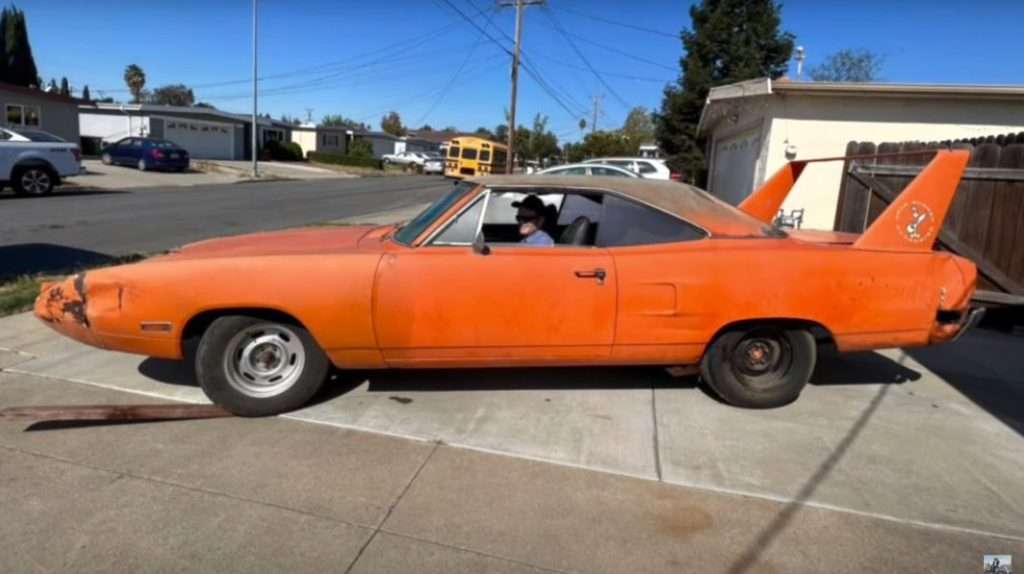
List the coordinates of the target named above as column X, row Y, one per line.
column 17, row 66
column 639, row 126
column 848, row 66
column 605, row 144
column 392, row 124
column 135, row 79
column 52, row 87
column 542, row 143
column 85, row 93
column 65, row 87
column 340, row 121
column 361, row 148
column 173, row 95
column 484, row 133
column 730, row 41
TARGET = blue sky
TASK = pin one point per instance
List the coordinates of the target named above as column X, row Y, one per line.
column 361, row 59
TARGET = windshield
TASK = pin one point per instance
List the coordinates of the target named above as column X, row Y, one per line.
column 410, row 231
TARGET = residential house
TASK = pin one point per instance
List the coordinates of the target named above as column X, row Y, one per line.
column 753, row 128
column 206, row 133
column 323, row 139
column 33, row 108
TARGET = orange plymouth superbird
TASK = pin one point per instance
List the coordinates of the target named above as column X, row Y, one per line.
column 613, row 271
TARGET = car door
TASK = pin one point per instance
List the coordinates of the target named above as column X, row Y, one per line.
column 117, row 150
column 664, row 286
column 446, row 303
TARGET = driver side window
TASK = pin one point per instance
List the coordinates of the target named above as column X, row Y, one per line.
column 463, row 229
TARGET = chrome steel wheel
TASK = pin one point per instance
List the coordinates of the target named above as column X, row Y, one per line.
column 36, row 181
column 264, row 360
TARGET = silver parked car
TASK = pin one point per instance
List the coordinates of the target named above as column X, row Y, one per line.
column 645, row 167
column 587, row 169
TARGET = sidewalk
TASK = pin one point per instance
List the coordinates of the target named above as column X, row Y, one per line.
column 232, row 495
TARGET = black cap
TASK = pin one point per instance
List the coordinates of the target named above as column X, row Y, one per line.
column 531, row 202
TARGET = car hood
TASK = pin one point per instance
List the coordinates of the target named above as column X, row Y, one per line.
column 286, row 242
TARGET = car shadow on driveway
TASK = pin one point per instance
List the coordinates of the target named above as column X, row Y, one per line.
column 852, row 369
column 860, row 368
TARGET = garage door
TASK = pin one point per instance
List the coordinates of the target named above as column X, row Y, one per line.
column 735, row 162
column 203, row 140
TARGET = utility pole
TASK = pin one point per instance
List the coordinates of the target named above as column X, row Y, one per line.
column 597, row 110
column 255, row 89
column 519, row 5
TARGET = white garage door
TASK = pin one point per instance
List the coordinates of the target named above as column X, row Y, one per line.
column 203, row 140
column 735, row 162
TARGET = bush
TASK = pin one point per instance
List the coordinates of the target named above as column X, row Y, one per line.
column 361, row 148
column 346, row 159
column 282, row 151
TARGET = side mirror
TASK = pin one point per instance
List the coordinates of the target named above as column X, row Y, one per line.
column 480, row 246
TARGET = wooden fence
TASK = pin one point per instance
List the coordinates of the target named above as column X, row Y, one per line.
column 985, row 222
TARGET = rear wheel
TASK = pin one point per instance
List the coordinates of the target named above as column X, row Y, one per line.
column 760, row 366
column 258, row 367
column 35, row 180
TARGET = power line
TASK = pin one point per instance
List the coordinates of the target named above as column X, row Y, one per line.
column 396, row 49
column 584, row 59
column 337, row 78
column 469, row 54
column 554, row 96
column 557, row 94
column 610, row 74
column 621, row 52
column 621, row 24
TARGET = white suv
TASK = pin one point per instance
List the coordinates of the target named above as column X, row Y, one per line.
column 645, row 167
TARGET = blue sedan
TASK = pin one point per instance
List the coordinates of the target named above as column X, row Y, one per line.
column 146, row 154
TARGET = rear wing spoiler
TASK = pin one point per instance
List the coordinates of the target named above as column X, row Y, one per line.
column 911, row 223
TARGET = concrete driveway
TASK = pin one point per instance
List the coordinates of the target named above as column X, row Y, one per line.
column 99, row 176
column 932, row 438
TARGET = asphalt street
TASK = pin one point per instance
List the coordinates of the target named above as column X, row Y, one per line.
column 72, row 229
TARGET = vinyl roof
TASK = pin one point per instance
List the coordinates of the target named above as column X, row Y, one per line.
column 685, row 201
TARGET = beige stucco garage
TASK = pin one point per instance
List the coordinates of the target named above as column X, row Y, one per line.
column 755, row 127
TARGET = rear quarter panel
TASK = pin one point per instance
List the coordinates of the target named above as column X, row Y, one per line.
column 684, row 294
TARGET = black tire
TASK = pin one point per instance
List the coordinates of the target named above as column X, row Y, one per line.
column 760, row 366
column 33, row 180
column 143, row 166
column 105, row 159
column 222, row 365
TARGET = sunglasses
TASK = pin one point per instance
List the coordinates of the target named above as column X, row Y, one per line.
column 526, row 218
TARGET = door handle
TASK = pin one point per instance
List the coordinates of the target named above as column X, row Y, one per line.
column 598, row 274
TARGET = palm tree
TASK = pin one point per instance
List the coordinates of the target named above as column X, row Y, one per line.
column 136, row 80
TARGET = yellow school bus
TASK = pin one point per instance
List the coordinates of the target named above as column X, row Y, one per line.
column 469, row 156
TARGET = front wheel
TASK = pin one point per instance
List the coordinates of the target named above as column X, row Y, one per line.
column 258, row 367
column 106, row 159
column 760, row 366
column 143, row 166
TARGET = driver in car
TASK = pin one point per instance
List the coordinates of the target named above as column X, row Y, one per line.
column 530, row 217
